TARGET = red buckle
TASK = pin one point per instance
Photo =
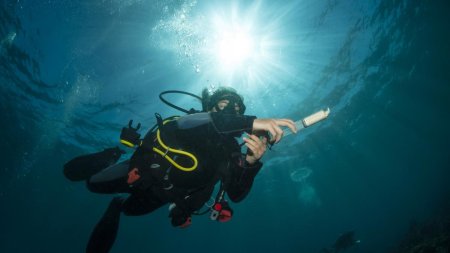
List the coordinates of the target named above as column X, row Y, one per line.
column 133, row 176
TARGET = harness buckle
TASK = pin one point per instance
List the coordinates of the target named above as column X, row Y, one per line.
column 214, row 214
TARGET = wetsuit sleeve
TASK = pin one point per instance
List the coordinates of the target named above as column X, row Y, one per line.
column 231, row 123
column 241, row 178
column 221, row 123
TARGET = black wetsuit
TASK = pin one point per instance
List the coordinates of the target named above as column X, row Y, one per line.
column 208, row 136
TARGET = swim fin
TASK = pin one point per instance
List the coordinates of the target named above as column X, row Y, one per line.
column 82, row 167
column 105, row 232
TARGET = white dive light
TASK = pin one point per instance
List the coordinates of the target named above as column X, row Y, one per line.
column 309, row 121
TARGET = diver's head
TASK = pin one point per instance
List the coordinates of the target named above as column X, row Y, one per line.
column 224, row 99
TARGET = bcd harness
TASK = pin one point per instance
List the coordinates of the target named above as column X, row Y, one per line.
column 130, row 138
column 220, row 210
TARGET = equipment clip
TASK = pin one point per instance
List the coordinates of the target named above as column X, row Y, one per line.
column 129, row 135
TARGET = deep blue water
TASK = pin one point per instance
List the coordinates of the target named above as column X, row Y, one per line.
column 74, row 72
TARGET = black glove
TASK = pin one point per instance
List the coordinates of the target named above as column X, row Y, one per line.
column 180, row 218
column 129, row 135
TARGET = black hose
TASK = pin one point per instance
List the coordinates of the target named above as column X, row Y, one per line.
column 192, row 110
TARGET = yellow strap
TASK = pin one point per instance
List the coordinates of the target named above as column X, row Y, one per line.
column 127, row 143
column 176, row 151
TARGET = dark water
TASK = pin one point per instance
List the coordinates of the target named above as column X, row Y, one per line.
column 74, row 72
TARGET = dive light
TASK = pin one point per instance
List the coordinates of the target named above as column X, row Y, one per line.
column 309, row 121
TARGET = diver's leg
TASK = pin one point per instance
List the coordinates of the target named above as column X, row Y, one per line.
column 105, row 232
column 82, row 167
column 141, row 204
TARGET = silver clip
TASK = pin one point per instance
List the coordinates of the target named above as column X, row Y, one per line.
column 214, row 214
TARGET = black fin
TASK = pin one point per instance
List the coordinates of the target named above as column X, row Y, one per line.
column 105, row 232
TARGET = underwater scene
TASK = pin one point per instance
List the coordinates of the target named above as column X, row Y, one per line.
column 364, row 84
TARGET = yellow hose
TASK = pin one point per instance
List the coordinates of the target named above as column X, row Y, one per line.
column 176, row 151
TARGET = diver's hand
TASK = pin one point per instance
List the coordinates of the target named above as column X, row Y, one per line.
column 256, row 146
column 273, row 127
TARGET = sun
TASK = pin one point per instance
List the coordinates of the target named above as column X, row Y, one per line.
column 234, row 48
column 246, row 46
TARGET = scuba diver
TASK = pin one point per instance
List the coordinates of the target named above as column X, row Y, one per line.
column 179, row 162
column 342, row 243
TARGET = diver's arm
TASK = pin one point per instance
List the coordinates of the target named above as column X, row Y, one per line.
column 235, row 124
column 240, row 180
column 218, row 122
column 232, row 123
column 246, row 167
